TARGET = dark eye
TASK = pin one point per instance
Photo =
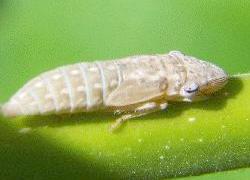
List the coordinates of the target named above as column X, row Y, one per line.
column 192, row 88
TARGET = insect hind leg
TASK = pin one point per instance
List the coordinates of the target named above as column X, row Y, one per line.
column 142, row 110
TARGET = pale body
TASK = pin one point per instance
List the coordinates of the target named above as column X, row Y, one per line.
column 135, row 85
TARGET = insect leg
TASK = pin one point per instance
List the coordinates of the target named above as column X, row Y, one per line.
column 142, row 110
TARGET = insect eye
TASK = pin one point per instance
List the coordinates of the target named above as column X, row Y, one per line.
column 192, row 88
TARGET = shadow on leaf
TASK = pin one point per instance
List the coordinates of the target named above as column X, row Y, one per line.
column 26, row 156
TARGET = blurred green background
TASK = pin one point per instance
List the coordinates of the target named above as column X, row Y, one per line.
column 39, row 35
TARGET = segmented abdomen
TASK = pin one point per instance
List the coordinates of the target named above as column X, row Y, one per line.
column 72, row 88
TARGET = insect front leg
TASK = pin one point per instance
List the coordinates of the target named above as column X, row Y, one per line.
column 141, row 110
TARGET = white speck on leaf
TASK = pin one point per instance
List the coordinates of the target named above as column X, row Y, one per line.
column 200, row 140
column 161, row 157
column 24, row 130
column 167, row 147
column 191, row 119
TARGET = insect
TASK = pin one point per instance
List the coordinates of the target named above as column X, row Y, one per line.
column 132, row 86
